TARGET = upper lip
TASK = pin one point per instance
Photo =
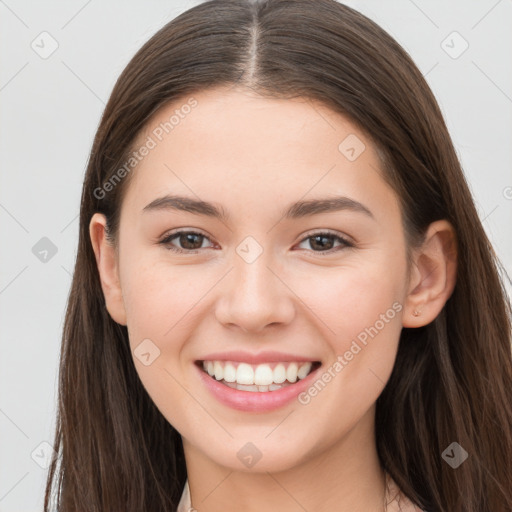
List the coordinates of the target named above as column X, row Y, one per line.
column 260, row 357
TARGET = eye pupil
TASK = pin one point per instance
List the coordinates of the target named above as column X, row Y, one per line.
column 189, row 237
column 321, row 244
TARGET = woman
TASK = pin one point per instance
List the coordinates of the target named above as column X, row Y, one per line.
column 283, row 296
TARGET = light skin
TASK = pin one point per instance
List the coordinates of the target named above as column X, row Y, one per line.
column 254, row 157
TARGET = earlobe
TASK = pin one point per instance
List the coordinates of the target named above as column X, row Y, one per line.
column 433, row 277
column 107, row 264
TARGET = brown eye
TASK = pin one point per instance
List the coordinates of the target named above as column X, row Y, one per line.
column 189, row 241
column 324, row 242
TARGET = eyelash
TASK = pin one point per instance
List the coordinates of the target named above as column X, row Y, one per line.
column 166, row 242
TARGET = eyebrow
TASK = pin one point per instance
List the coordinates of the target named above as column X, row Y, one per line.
column 295, row 211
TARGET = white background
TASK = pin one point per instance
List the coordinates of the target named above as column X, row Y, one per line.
column 50, row 109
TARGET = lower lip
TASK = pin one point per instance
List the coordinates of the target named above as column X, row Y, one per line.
column 255, row 401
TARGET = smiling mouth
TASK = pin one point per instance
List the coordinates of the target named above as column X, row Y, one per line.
column 258, row 377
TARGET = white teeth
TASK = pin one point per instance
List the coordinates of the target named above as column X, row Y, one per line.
column 291, row 372
column 304, row 370
column 257, row 377
column 218, row 370
column 243, row 387
column 252, row 388
column 279, row 373
column 263, row 376
column 229, row 373
column 245, row 374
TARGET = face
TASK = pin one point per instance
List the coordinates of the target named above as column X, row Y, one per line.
column 263, row 281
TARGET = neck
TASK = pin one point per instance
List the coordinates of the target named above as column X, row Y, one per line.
column 342, row 475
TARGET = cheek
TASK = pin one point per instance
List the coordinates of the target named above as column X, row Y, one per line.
column 360, row 315
column 359, row 309
column 160, row 311
column 158, row 299
column 347, row 300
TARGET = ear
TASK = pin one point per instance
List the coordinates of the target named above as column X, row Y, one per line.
column 106, row 260
column 433, row 275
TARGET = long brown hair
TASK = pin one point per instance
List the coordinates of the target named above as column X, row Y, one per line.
column 452, row 381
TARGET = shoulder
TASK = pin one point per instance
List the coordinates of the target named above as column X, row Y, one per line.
column 185, row 504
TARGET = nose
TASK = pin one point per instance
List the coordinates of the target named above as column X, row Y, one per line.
column 255, row 296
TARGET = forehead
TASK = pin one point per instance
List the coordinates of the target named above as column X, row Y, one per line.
column 234, row 146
